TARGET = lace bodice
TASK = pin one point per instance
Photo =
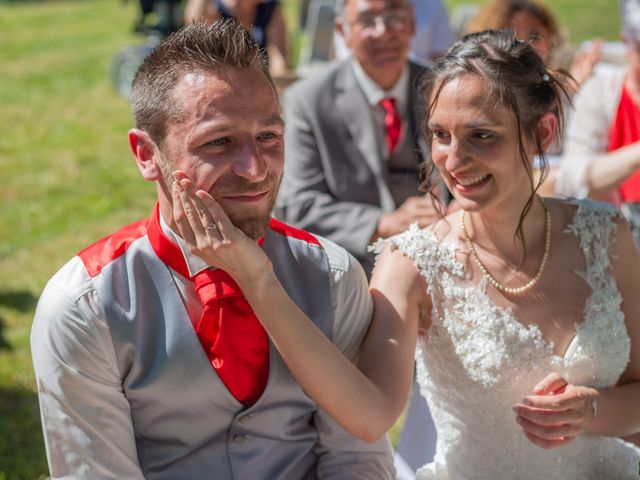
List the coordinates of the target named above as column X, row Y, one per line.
column 477, row 360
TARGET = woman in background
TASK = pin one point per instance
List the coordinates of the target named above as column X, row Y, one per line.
column 264, row 18
column 534, row 22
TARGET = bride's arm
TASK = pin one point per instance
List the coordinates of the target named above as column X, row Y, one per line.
column 402, row 307
column 367, row 400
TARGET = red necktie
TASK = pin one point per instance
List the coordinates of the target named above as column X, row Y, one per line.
column 392, row 123
column 232, row 336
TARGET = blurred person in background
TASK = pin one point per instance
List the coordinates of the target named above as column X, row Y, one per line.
column 602, row 154
column 264, row 18
column 432, row 38
column 352, row 141
column 168, row 17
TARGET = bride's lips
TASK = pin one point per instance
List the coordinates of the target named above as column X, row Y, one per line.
column 470, row 183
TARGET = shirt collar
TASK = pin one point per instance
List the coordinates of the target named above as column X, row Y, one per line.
column 194, row 263
column 374, row 93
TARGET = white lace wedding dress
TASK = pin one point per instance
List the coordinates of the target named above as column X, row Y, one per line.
column 477, row 360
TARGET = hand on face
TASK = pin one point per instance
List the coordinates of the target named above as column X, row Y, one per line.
column 209, row 233
column 556, row 413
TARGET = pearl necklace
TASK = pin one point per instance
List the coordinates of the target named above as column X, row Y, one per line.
column 491, row 278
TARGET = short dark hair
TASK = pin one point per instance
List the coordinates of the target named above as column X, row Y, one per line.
column 516, row 77
column 218, row 48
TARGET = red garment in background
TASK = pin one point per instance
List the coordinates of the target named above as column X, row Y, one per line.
column 625, row 130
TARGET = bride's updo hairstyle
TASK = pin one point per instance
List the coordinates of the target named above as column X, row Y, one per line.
column 516, row 77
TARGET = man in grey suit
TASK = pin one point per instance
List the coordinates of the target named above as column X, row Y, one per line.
column 150, row 362
column 352, row 137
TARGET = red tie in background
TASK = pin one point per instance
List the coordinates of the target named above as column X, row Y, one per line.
column 232, row 336
column 392, row 123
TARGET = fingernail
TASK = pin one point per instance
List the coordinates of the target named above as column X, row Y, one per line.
column 518, row 420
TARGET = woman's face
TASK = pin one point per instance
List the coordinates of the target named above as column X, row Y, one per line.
column 475, row 147
column 527, row 27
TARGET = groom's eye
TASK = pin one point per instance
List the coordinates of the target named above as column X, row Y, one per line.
column 219, row 142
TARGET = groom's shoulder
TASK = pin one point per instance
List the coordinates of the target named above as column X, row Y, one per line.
column 339, row 260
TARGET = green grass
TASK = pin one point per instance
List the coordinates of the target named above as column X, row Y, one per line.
column 68, row 177
column 67, row 180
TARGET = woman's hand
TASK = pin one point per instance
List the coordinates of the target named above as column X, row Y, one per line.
column 584, row 61
column 209, row 233
column 557, row 412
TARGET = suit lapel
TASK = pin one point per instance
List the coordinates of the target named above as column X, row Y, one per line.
column 354, row 110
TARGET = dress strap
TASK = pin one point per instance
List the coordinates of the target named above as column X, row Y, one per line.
column 431, row 257
column 594, row 225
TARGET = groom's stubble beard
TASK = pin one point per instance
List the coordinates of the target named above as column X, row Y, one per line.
column 255, row 223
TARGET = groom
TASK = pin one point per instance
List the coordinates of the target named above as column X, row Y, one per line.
column 151, row 365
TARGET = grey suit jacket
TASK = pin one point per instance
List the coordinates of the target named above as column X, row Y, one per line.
column 335, row 180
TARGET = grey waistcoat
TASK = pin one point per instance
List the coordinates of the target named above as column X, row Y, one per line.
column 187, row 424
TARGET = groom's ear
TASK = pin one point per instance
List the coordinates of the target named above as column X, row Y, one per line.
column 146, row 154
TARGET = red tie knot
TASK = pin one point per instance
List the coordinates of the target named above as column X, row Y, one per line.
column 389, row 105
column 214, row 284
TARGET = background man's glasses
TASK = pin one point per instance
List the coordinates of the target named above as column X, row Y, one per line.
column 396, row 19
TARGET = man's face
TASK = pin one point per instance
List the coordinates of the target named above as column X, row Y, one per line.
column 229, row 143
column 379, row 34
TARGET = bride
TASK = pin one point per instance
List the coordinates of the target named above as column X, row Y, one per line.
column 525, row 311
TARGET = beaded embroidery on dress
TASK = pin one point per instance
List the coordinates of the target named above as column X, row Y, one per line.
column 477, row 360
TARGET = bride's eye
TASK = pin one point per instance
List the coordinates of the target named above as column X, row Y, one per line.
column 483, row 135
column 440, row 135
